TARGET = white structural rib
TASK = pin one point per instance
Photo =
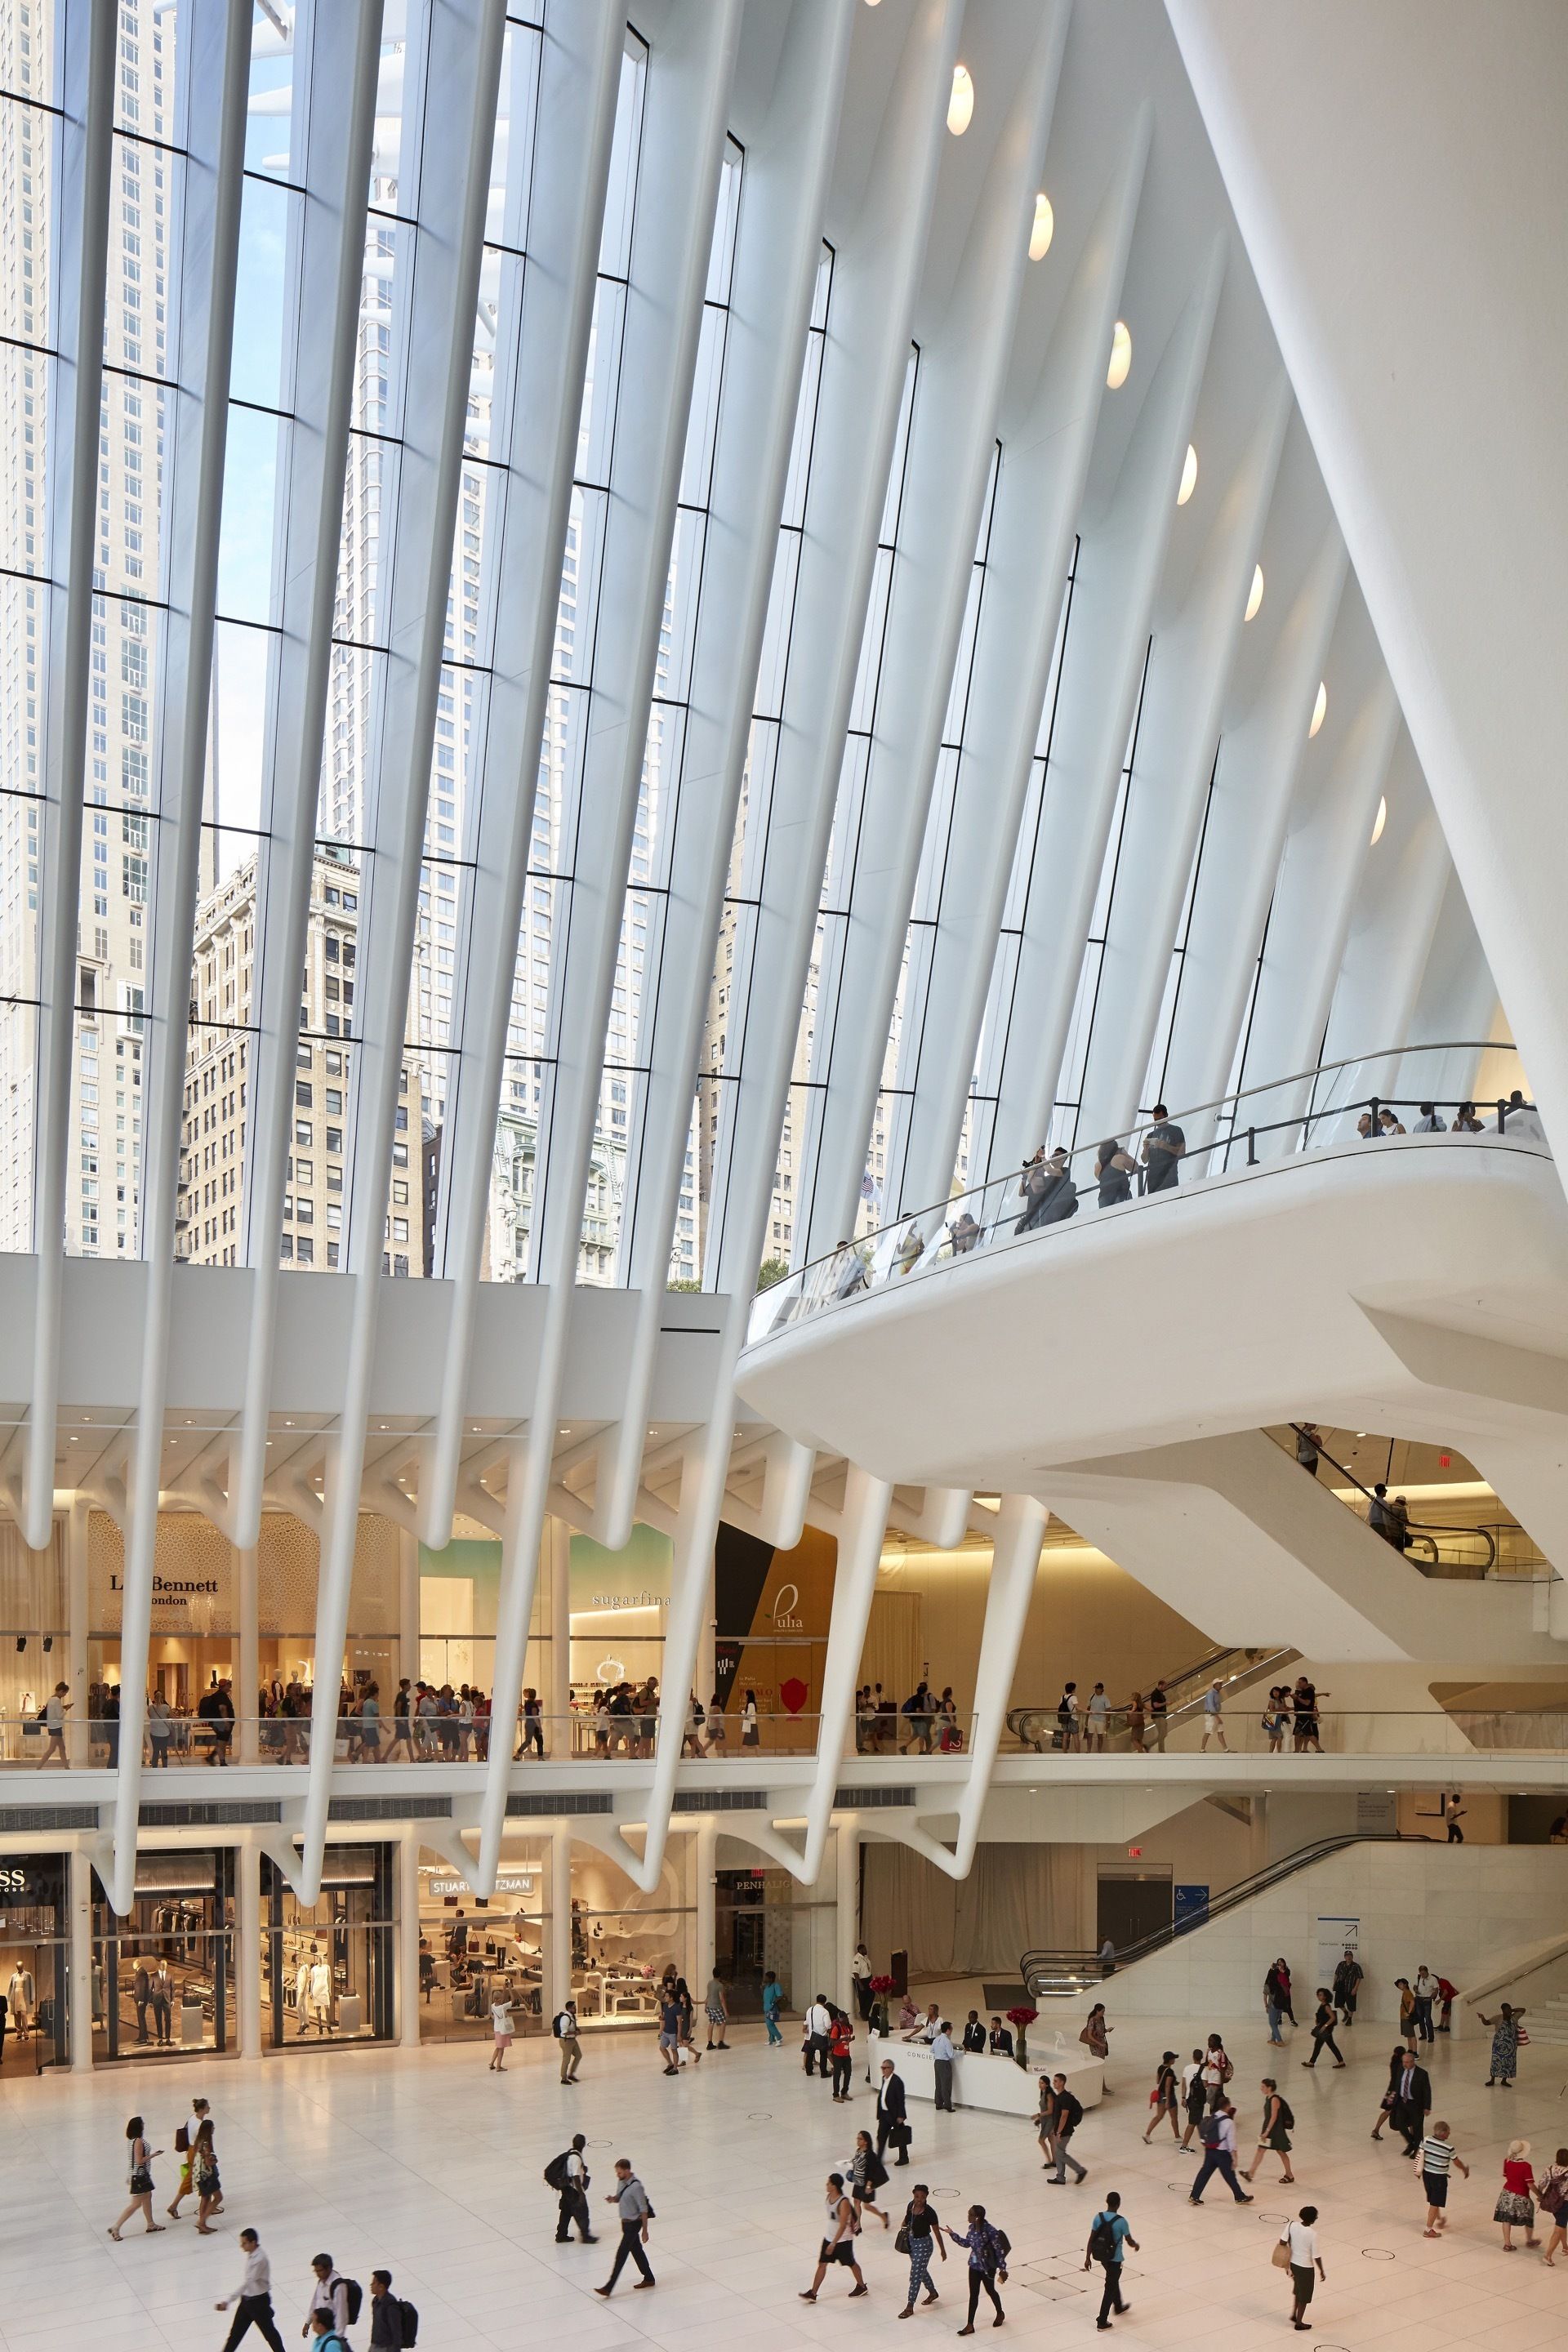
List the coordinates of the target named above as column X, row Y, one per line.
column 1259, row 760
column 452, row 79
column 1391, row 932
column 212, row 82
column 1038, row 495
column 85, row 79
column 690, row 72
column 881, row 818
column 1020, row 1527
column 1118, row 571
column 546, row 314
column 778, row 248
column 1190, row 668
column 336, row 60
column 1326, row 850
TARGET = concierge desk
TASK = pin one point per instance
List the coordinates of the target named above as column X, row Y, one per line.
column 995, row 2084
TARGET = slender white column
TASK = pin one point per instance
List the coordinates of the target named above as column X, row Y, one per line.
column 247, row 1943
column 79, row 1878
column 407, row 1608
column 558, row 1696
column 847, row 1914
column 1014, row 1563
column 248, row 1606
column 78, row 1735
column 865, row 1523
column 557, row 1926
column 408, row 1940
column 705, row 1895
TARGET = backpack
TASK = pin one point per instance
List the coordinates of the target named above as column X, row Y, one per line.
column 1286, row 2119
column 355, row 2294
column 1004, row 2244
column 1208, row 2131
column 407, row 2324
column 556, row 2175
column 557, row 2027
column 1102, row 2239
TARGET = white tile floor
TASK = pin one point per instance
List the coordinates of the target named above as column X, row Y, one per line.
column 430, row 2165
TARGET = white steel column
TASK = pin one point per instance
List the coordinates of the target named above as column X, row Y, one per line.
column 247, row 1944
column 213, row 84
column 1118, row 571
column 79, row 1896
column 79, row 1733
column 865, row 1522
column 705, row 1900
column 557, row 1926
column 450, row 90
column 1391, row 932
column 558, row 1695
column 1014, row 1565
column 1038, row 498
column 247, row 1605
column 846, row 1909
column 408, row 1608
column 408, row 2001
column 336, row 65
column 82, row 163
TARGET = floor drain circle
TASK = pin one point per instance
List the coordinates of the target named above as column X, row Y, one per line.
column 1376, row 2254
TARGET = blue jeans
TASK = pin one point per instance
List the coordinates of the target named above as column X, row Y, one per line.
column 1275, row 2014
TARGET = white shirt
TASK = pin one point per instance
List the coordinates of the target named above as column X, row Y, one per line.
column 817, row 2019
column 1190, row 2073
column 1302, row 2240
column 331, row 2295
column 500, row 2016
column 860, row 1965
column 54, row 1719
column 257, row 2279
column 1227, row 2135
column 1426, row 1985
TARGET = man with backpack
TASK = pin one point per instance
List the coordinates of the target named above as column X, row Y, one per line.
column 563, row 2025
column 1107, row 2234
column 394, row 2323
column 338, row 2298
column 630, row 2199
column 567, row 2174
column 1066, row 2114
column 1219, row 2133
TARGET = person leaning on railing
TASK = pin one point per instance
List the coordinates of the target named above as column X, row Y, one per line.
column 1163, row 1145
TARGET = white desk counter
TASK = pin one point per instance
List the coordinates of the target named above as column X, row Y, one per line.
column 998, row 2085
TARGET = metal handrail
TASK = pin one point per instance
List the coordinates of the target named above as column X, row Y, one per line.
column 796, row 1283
column 1256, row 1881
column 1258, row 1661
column 1414, row 1527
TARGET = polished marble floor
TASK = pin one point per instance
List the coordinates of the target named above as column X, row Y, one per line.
column 429, row 2165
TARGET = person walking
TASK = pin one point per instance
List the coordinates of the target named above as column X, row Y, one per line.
column 1095, row 2037
column 868, row 2173
column 564, row 2026
column 1346, row 1985
column 1194, row 2098
column 630, row 2199
column 1505, row 2044
column 838, row 2246
column 1218, row 2072
column 860, row 1970
column 1397, row 2058
column 1453, row 1815
column 1214, row 1723
column 1515, row 2207
column 1066, row 2114
column 142, row 2158
column 568, row 2174
column 1323, row 2022
column 1219, row 2155
column 500, row 2026
column 773, row 2001
column 1412, row 2105
column 920, row 2230
column 1274, row 2132
column 1159, row 1713
column 1305, row 2262
column 54, row 1721
column 1273, row 2006
column 718, row 2008
column 988, row 2252
column 669, row 2031
column 389, row 2316
column 1163, row 2099
column 204, row 2177
column 1282, row 1971
column 941, row 2054
column 1553, row 2190
column 840, row 2054
column 328, row 2295
column 1425, row 1991
column 185, row 2137
column 818, row 2032
column 253, row 2297
column 1407, row 2011
column 1109, row 2234
column 1437, row 2160
column 892, row 2114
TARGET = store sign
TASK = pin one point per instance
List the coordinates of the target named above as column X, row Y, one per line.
column 508, row 1882
column 21, row 1884
column 635, row 1577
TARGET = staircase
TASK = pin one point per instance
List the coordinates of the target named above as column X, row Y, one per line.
column 1548, row 2021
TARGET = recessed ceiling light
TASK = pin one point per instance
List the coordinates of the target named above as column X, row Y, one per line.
column 1255, row 596
column 1121, row 356
column 1044, row 229
column 1189, row 475
column 1319, row 709
column 1378, row 823
column 960, row 105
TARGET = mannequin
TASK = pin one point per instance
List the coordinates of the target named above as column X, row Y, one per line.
column 302, row 1991
column 21, row 1999
column 322, row 1994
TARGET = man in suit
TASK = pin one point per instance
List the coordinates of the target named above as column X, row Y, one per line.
column 891, row 2110
column 1412, row 2103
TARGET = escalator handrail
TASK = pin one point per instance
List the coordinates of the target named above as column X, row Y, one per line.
column 1259, row 1660
column 1257, row 1882
column 1416, row 1527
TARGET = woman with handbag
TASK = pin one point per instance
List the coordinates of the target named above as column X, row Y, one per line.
column 1274, row 2132
column 1297, row 2252
column 204, row 2175
column 1552, row 2189
column 1385, row 2105
column 1096, row 2037
column 141, row 2182
column 920, row 2230
column 1163, row 2099
column 867, row 2175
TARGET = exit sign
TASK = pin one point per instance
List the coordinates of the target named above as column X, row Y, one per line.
column 1134, row 1853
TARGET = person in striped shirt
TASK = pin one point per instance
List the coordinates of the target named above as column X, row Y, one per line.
column 1437, row 2160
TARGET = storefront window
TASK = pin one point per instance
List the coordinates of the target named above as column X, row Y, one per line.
column 327, row 1967
column 473, row 1952
column 163, row 1975
column 623, row 1940
column 32, row 2033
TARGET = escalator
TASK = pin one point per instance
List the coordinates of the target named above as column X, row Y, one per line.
column 1037, row 1726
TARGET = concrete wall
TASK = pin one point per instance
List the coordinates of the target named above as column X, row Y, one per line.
column 1459, row 1908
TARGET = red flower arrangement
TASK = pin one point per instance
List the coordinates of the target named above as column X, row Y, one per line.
column 1022, row 2017
column 881, row 1984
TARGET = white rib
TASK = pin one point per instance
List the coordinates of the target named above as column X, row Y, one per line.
column 81, row 168
column 214, row 78
column 448, row 130
column 337, row 52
